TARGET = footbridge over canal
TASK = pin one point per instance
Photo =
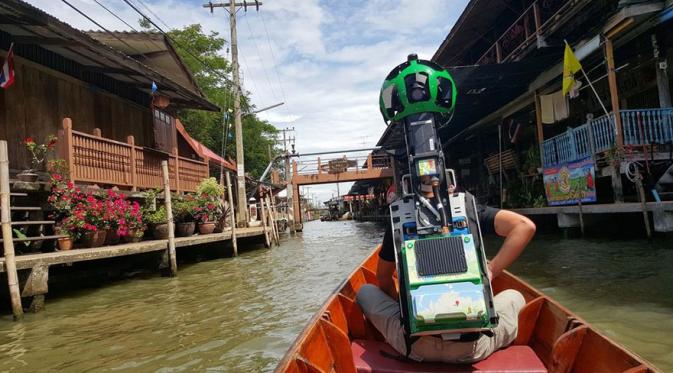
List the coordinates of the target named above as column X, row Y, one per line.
column 336, row 167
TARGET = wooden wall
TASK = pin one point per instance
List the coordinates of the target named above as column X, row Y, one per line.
column 40, row 98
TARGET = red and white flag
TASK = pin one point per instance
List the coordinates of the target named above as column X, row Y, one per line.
column 7, row 73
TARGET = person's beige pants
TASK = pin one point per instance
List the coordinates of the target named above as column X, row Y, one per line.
column 384, row 313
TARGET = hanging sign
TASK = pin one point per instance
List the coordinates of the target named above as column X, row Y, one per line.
column 565, row 184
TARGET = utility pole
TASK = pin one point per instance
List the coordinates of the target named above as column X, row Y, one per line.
column 288, row 174
column 240, row 159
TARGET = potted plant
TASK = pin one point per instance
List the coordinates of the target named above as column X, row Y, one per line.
column 94, row 225
column 70, row 231
column 209, row 210
column 206, row 214
column 158, row 222
column 184, row 209
column 115, row 206
column 132, row 223
column 38, row 153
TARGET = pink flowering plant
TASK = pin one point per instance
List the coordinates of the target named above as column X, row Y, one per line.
column 207, row 211
column 132, row 220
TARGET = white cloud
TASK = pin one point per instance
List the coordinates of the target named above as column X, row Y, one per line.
column 325, row 59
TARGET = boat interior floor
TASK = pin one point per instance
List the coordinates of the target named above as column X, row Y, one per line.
column 378, row 357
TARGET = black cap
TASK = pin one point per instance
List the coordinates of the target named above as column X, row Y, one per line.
column 412, row 57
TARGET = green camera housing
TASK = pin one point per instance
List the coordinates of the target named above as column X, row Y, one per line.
column 445, row 279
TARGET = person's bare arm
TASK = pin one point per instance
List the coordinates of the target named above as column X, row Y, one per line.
column 518, row 230
column 384, row 273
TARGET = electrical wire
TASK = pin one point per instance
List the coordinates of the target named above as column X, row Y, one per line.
column 261, row 60
column 273, row 55
column 187, row 50
column 103, row 28
column 115, row 15
column 154, row 14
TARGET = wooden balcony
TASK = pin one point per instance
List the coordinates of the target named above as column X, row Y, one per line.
column 535, row 21
column 93, row 159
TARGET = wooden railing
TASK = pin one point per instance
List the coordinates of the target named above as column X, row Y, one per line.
column 92, row 158
column 641, row 127
column 532, row 23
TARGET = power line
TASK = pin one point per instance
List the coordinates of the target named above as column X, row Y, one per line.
column 213, row 70
column 273, row 56
column 154, row 14
column 101, row 26
column 115, row 15
column 261, row 60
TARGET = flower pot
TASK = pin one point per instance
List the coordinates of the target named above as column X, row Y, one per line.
column 185, row 229
column 64, row 244
column 219, row 226
column 94, row 238
column 111, row 237
column 27, row 176
column 135, row 235
column 207, row 227
column 160, row 231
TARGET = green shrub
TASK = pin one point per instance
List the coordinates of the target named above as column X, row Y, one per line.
column 211, row 188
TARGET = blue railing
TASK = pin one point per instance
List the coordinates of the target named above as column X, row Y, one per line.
column 641, row 127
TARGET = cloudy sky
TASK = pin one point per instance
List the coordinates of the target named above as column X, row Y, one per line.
column 326, row 59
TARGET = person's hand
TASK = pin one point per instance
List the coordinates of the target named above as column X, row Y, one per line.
column 489, row 273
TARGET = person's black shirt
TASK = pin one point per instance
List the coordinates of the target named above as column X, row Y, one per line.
column 486, row 221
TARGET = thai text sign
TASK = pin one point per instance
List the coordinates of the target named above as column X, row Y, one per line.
column 566, row 183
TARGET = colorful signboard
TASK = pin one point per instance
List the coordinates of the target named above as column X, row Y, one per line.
column 566, row 183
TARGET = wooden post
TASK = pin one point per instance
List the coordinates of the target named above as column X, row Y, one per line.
column 97, row 132
column 272, row 220
column 643, row 205
column 500, row 161
column 537, row 18
column 369, row 162
column 266, row 230
column 539, row 127
column 319, row 167
column 7, row 239
column 581, row 214
column 498, row 52
column 234, row 243
column 68, row 150
column 134, row 175
column 173, row 265
column 614, row 94
column 177, row 169
column 275, row 214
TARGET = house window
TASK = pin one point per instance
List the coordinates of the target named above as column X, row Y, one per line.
column 164, row 129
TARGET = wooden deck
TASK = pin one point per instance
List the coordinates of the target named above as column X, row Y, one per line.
column 608, row 208
column 79, row 255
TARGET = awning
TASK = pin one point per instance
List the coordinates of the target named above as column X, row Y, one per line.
column 202, row 150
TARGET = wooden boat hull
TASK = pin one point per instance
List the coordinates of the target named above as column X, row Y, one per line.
column 338, row 336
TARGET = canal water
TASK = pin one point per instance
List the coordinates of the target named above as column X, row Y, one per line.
column 241, row 314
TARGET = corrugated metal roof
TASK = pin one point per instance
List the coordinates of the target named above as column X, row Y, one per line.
column 28, row 25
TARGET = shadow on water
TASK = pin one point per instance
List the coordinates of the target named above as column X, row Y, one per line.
column 241, row 314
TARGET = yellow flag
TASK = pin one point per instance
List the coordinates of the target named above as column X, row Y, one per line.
column 570, row 66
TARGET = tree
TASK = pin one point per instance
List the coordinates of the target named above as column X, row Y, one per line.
column 212, row 77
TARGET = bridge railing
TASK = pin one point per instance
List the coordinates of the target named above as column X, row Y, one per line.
column 335, row 165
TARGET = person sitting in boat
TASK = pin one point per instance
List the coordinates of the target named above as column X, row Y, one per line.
column 381, row 307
